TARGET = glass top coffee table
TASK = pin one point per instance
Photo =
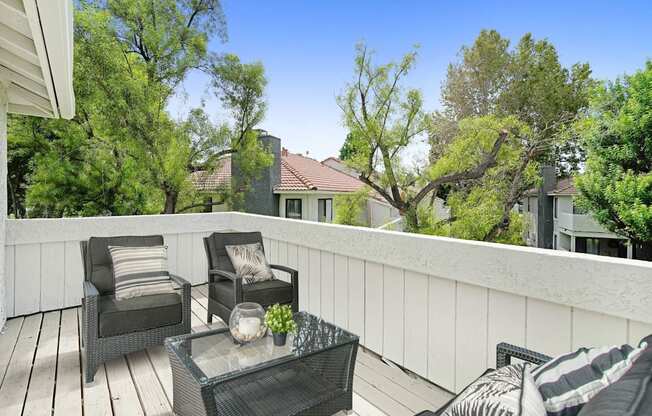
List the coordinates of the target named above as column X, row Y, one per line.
column 311, row 375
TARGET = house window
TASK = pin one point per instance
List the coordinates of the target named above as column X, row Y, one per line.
column 293, row 209
column 325, row 207
column 555, row 207
column 593, row 245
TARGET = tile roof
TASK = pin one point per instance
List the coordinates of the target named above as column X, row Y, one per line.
column 565, row 186
column 301, row 173
column 208, row 181
column 298, row 173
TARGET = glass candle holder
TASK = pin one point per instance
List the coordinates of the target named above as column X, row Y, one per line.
column 247, row 322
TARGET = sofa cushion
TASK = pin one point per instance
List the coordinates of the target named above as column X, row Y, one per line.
column 119, row 317
column 508, row 391
column 631, row 395
column 140, row 271
column 569, row 381
column 264, row 293
column 98, row 263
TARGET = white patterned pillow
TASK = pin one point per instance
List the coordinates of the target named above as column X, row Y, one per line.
column 508, row 391
column 249, row 262
column 140, row 271
column 569, row 381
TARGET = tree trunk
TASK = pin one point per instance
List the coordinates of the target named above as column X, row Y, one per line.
column 411, row 220
column 170, row 201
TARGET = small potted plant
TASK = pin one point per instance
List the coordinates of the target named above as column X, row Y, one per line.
column 279, row 319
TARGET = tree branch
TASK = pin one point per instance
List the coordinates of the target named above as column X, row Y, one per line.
column 475, row 173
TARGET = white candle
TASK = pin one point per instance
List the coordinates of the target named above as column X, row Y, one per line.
column 249, row 326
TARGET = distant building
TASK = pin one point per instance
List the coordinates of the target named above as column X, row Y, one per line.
column 297, row 187
column 554, row 221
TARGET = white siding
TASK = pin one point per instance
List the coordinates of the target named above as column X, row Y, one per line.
column 437, row 306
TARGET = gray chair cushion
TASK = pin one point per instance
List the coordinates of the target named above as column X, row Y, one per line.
column 119, row 317
column 215, row 247
column 98, row 263
column 264, row 293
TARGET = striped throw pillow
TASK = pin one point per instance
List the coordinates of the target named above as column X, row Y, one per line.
column 569, row 381
column 140, row 271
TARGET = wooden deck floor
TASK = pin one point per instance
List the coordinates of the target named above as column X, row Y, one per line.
column 40, row 374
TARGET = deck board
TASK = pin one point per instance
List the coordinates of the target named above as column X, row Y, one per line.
column 97, row 398
column 40, row 367
column 19, row 370
column 41, row 386
column 68, row 398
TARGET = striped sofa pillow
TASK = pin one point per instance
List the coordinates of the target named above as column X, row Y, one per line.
column 569, row 381
column 140, row 271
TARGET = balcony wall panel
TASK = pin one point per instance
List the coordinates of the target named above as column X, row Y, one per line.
column 74, row 270
column 314, row 281
column 9, row 279
column 43, row 259
column 592, row 328
column 341, row 290
column 171, row 240
column 356, row 301
column 548, row 327
column 416, row 323
column 436, row 306
column 327, row 283
column 470, row 333
column 53, row 266
column 394, row 314
column 303, row 267
column 442, row 324
column 637, row 331
column 373, row 303
column 27, row 289
column 506, row 313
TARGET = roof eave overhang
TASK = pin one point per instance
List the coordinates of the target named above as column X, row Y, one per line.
column 36, row 56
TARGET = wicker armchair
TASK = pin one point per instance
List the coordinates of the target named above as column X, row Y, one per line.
column 225, row 289
column 112, row 328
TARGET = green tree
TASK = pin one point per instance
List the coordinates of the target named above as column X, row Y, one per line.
column 528, row 84
column 349, row 207
column 136, row 53
column 348, row 149
column 482, row 209
column 385, row 119
column 241, row 87
column 617, row 184
column 123, row 153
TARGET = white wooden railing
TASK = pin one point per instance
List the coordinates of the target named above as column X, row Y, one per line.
column 436, row 306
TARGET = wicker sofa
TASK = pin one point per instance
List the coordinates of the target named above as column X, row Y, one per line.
column 630, row 395
column 113, row 328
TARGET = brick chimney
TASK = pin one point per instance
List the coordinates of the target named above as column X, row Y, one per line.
column 284, row 152
column 260, row 199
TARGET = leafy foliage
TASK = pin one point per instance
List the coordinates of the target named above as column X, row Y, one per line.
column 123, row 153
column 527, row 82
column 385, row 119
column 617, row 184
column 280, row 320
column 349, row 207
column 528, row 93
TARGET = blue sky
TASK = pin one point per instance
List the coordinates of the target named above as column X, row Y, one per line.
column 307, row 48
